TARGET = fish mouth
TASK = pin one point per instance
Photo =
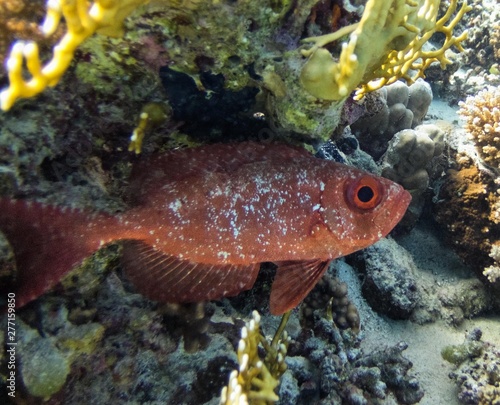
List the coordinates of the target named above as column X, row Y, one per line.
column 400, row 202
column 394, row 207
column 404, row 198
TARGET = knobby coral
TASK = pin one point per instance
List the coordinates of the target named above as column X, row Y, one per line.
column 482, row 121
column 384, row 46
column 102, row 16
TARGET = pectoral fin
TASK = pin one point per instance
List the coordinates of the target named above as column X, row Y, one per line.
column 293, row 282
column 166, row 278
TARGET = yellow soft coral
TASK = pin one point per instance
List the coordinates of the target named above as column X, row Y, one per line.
column 384, row 46
column 256, row 379
column 82, row 20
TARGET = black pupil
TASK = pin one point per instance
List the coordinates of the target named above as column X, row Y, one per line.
column 365, row 194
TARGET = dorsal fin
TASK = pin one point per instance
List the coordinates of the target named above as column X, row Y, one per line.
column 293, row 281
column 181, row 164
column 48, row 241
column 166, row 278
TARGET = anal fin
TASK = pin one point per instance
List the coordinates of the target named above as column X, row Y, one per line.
column 166, row 278
column 293, row 281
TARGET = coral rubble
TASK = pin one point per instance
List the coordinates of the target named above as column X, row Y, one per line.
column 477, row 370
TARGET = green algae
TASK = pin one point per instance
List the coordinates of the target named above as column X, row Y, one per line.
column 457, row 354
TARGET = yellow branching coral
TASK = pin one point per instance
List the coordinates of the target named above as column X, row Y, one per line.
column 82, row 20
column 152, row 115
column 482, row 121
column 386, row 45
column 256, row 379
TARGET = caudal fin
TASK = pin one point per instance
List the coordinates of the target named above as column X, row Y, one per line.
column 48, row 241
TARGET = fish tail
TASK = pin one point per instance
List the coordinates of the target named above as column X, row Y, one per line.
column 48, row 241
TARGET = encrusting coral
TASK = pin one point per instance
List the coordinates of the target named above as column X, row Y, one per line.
column 481, row 114
column 82, row 20
column 384, row 46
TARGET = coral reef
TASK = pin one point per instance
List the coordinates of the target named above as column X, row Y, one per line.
column 481, row 114
column 477, row 67
column 331, row 368
column 185, row 32
column 481, row 45
column 239, row 64
column 477, row 370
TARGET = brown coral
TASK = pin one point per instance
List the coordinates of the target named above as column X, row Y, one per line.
column 482, row 121
column 330, row 295
column 468, row 209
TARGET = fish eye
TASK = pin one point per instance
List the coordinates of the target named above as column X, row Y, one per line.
column 364, row 193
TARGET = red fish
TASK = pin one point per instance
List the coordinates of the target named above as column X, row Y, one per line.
column 203, row 220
